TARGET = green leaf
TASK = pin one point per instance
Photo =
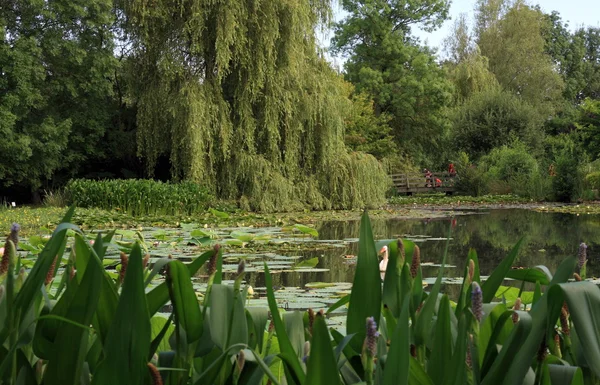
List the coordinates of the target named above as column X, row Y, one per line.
column 365, row 298
column 463, row 298
column 307, row 230
column 513, row 362
column 293, row 369
column 35, row 280
column 128, row 340
column 529, row 275
column 457, row 373
column 341, row 302
column 294, row 326
column 396, row 370
column 442, row 342
column 71, row 343
column 199, row 233
column 161, row 327
column 392, row 296
column 158, row 296
column 321, row 368
column 491, row 285
column 416, row 374
column 185, row 304
column 242, row 236
column 259, row 317
column 424, row 319
column 510, row 294
column 583, row 299
column 565, row 375
column 226, row 318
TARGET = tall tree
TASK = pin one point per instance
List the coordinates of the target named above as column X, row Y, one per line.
column 56, row 68
column 235, row 95
column 511, row 38
column 403, row 78
column 467, row 68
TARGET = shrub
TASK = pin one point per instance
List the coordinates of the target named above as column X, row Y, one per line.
column 139, row 196
column 471, row 179
column 592, row 180
column 566, row 185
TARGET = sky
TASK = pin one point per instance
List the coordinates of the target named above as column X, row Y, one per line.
column 576, row 13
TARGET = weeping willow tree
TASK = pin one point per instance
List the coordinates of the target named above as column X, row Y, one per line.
column 238, row 98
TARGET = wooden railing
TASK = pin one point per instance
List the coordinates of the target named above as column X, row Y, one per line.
column 417, row 182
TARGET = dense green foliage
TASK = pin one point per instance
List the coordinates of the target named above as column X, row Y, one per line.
column 205, row 92
column 139, row 197
column 56, row 70
column 400, row 75
column 261, row 113
column 94, row 326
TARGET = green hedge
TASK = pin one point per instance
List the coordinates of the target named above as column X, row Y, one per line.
column 139, row 196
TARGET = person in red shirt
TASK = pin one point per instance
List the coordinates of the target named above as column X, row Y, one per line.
column 451, row 169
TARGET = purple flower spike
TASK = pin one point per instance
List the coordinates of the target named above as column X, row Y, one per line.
column 372, row 336
column 477, row 301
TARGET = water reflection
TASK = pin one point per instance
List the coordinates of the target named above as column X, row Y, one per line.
column 549, row 238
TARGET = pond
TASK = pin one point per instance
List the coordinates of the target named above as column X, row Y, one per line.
column 316, row 270
column 548, row 239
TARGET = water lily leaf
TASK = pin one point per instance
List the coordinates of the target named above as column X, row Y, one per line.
column 199, row 233
column 160, row 235
column 510, row 294
column 307, row 230
column 242, row 236
column 219, row 214
column 319, row 285
column 234, row 242
column 309, row 263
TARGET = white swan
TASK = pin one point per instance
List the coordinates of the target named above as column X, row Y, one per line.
column 384, row 262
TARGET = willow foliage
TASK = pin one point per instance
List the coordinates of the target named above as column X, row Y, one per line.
column 236, row 95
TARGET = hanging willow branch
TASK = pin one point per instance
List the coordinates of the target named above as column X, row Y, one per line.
column 236, row 95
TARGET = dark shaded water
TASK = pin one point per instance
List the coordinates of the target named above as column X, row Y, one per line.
column 549, row 238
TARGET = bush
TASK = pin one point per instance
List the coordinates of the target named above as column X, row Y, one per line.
column 471, row 179
column 512, row 169
column 139, row 196
column 592, row 180
column 566, row 184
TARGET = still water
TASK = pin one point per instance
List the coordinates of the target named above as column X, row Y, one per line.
column 549, row 238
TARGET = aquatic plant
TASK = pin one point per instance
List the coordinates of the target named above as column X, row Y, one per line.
column 95, row 329
column 139, row 196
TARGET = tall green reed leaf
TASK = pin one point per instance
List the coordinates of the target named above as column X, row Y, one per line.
column 321, row 362
column 442, row 342
column 294, row 372
column 71, row 343
column 185, row 304
column 396, row 370
column 128, row 340
column 365, row 298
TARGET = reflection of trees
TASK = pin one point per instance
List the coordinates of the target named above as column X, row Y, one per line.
column 491, row 234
